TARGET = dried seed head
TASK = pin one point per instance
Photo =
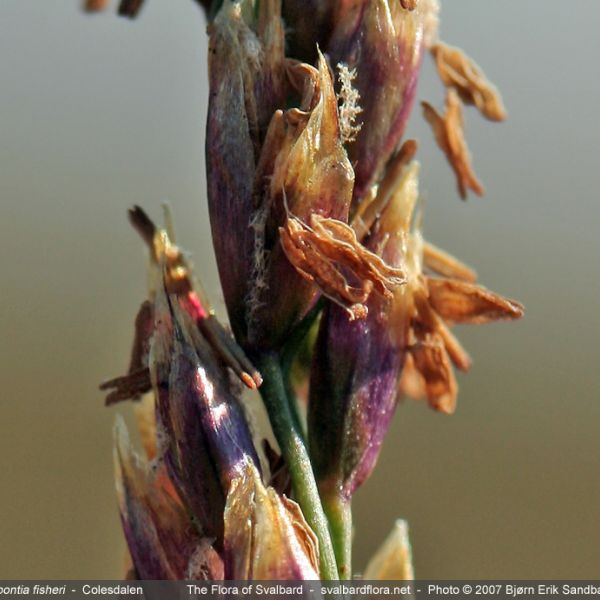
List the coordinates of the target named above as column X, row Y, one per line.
column 449, row 135
column 458, row 71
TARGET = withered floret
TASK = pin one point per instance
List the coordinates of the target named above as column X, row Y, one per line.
column 458, row 71
column 448, row 130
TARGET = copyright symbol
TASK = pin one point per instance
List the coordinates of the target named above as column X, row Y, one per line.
column 467, row 589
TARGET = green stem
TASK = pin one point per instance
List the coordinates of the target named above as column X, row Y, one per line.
column 294, row 452
column 290, row 349
column 293, row 404
column 339, row 514
column 289, row 353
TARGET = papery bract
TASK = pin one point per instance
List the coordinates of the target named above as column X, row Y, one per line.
column 393, row 560
column 304, row 171
column 266, row 536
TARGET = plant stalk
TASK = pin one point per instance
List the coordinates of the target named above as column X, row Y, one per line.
column 339, row 514
column 295, row 454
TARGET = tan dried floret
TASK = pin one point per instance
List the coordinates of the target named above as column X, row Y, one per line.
column 442, row 263
column 439, row 292
column 462, row 302
column 337, row 241
column 460, row 72
column 428, row 321
column 449, row 134
column 328, row 252
column 439, row 302
column 433, row 366
column 315, row 267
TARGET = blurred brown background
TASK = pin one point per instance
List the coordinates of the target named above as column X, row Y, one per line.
column 99, row 113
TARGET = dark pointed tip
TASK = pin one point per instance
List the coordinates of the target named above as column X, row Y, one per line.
column 142, row 223
column 130, row 8
column 118, row 396
column 105, row 385
column 127, row 387
column 139, row 217
column 113, row 398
